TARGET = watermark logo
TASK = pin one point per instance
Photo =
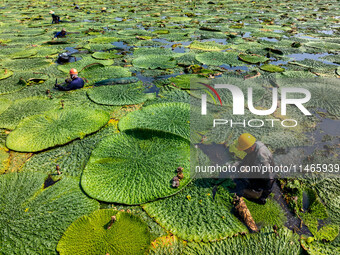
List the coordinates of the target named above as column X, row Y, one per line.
column 279, row 113
column 238, row 100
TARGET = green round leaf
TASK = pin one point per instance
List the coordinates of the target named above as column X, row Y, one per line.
column 103, row 39
column 54, row 128
column 219, row 58
column 97, row 73
column 154, row 62
column 134, row 168
column 265, row 242
column 71, row 158
column 183, row 81
column 161, row 32
column 168, row 117
column 272, row 68
column 5, row 73
column 24, row 53
column 196, row 214
column 252, row 59
column 207, row 46
column 34, row 216
column 83, row 64
column 4, row 104
column 22, row 108
column 324, row 45
column 119, row 94
column 91, row 235
column 105, row 55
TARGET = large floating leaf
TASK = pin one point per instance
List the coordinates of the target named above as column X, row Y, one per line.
column 135, row 168
column 327, row 190
column 54, row 128
column 324, row 92
column 24, row 53
column 4, row 104
column 70, row 158
column 332, row 58
column 94, row 235
column 11, row 84
column 208, row 46
column 168, row 117
column 269, row 214
column 105, row 55
column 314, row 66
column 5, row 73
column 154, row 62
column 296, row 74
column 272, row 68
column 253, row 59
column 324, row 45
column 219, row 58
column 27, row 64
column 23, row 108
column 83, row 64
column 320, row 247
column 197, row 214
column 119, row 94
column 152, row 51
column 27, row 208
column 103, row 39
column 98, row 46
column 98, row 73
column 264, row 243
column 183, row 81
column 187, row 59
column 114, row 81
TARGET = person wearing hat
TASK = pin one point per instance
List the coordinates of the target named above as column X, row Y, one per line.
column 55, row 18
column 74, row 83
column 103, row 9
column 61, row 34
column 257, row 155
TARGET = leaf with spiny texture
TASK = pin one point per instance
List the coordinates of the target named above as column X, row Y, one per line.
column 29, row 207
column 58, row 127
column 136, row 167
column 99, row 234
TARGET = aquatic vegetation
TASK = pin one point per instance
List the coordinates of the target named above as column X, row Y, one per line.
column 24, row 54
column 265, row 242
column 84, row 63
column 126, row 94
column 154, row 62
column 116, row 163
column 203, row 217
column 30, row 206
column 168, row 117
column 219, row 58
column 22, row 108
column 269, row 214
column 4, row 158
column 207, row 46
column 105, row 231
column 40, row 132
column 128, row 131
column 5, row 73
column 272, row 68
column 253, row 59
column 105, row 55
column 71, row 158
